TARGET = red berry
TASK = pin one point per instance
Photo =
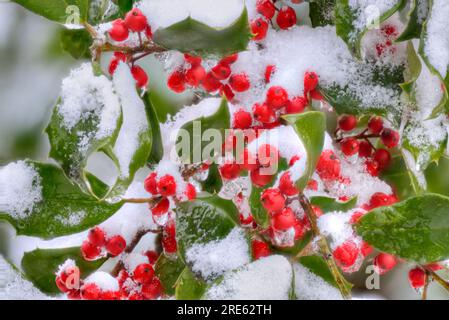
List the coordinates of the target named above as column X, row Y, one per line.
column 176, row 81
column 286, row 185
column 152, row 256
column 135, row 20
column 148, row 32
column 296, row 105
column 259, row 28
column 380, row 199
column 375, row 125
column 230, row 171
column 61, row 284
column 389, row 137
column 417, row 278
column 389, row 30
column 152, row 290
column 260, row 179
column 119, row 32
column 239, row 82
column 283, row 220
column 242, row 119
column 169, row 244
column 118, row 56
column 190, row 192
column 226, row 91
column 328, row 166
column 115, row 245
column 384, row 262
column 143, row 273
column 434, row 266
column 161, row 208
column 74, row 295
column 193, row 60
column 365, row 249
column 347, row 122
column 221, row 71
column 97, row 237
column 273, row 200
column 167, row 186
column 365, row 149
column 90, row 291
column 211, row 83
column 382, row 157
column 277, row 97
column 150, row 183
column 346, row 254
column 286, row 17
column 89, row 251
column 266, row 8
column 372, row 167
column 269, row 70
column 230, row 59
column 110, row 295
column 195, row 76
column 355, row 217
column 349, row 146
column 263, row 113
column 315, row 94
column 310, row 81
column 260, row 249
column 140, row 76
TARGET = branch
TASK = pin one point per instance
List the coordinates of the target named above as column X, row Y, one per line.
column 324, row 247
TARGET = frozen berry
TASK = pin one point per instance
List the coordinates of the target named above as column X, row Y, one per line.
column 389, row 137
column 115, row 245
column 211, row 83
column 97, row 237
column 119, row 32
column 135, row 20
column 269, row 70
column 372, row 167
column 260, row 249
column 375, row 125
column 266, row 8
column 384, row 262
column 152, row 256
column 287, row 186
column 328, row 166
column 161, row 207
column 273, row 200
column 89, row 251
column 349, row 146
column 355, row 217
column 230, row 171
column 90, row 291
column 310, row 81
column 118, row 56
column 148, row 32
column 190, row 192
column 230, row 59
column 365, row 249
column 143, row 273
column 283, row 220
column 417, row 278
column 193, row 60
column 346, row 254
column 263, row 113
column 296, row 105
column 380, row 199
column 166, row 186
column 176, row 81
column 150, row 183
column 242, row 119
column 259, row 28
column 347, row 122
column 239, row 82
column 221, row 71
column 140, row 76
column 382, row 157
column 365, row 149
column 195, row 76
column 152, row 290
column 286, row 17
column 227, row 92
column 277, row 97
column 259, row 178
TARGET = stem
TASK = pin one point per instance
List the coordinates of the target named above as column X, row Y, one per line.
column 151, row 201
column 436, row 277
column 324, row 247
column 426, row 287
column 362, row 135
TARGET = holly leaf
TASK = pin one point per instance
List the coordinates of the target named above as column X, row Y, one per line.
column 328, row 204
column 63, row 208
column 70, row 12
column 188, row 287
column 353, row 22
column 195, row 130
column 40, row 265
column 213, row 183
column 76, row 42
column 204, row 220
column 419, row 10
column 321, row 12
column 157, row 149
column 168, row 270
column 198, row 38
column 416, row 229
column 310, row 127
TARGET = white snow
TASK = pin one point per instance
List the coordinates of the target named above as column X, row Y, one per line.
column 268, row 278
column 422, row 10
column 437, row 41
column 103, row 280
column 134, row 118
column 335, row 225
column 215, row 258
column 309, row 286
column 132, row 260
column 218, row 14
column 75, row 218
column 369, row 11
column 20, row 189
column 63, row 267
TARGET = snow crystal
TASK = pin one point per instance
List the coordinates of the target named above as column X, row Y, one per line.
column 422, row 10
column 336, row 226
column 132, row 260
column 215, row 258
column 437, row 41
column 84, row 95
column 63, row 267
column 20, row 189
column 219, row 14
column 134, row 118
column 75, row 218
column 309, row 286
column 268, row 278
column 367, row 12
column 103, row 280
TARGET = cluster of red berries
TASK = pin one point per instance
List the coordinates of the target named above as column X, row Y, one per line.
column 92, row 248
column 135, row 21
column 417, row 276
column 389, row 34
column 377, row 159
column 219, row 78
column 285, row 19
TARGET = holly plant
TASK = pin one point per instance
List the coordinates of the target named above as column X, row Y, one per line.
column 313, row 145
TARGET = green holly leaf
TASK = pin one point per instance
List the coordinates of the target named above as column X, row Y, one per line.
column 40, row 265
column 412, row 72
column 419, row 10
column 157, row 149
column 195, row 37
column 310, row 127
column 76, row 42
column 353, row 22
column 213, row 183
column 188, row 287
column 168, row 270
column 321, row 12
column 328, row 204
column 416, row 229
column 70, row 12
column 195, row 130
column 63, row 208
column 204, row 220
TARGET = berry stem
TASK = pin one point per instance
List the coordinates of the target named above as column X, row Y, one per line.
column 324, row 247
column 426, row 287
column 361, row 135
column 436, row 277
column 152, row 201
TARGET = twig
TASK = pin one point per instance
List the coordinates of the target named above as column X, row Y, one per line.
column 436, row 277
column 426, row 287
column 151, row 201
